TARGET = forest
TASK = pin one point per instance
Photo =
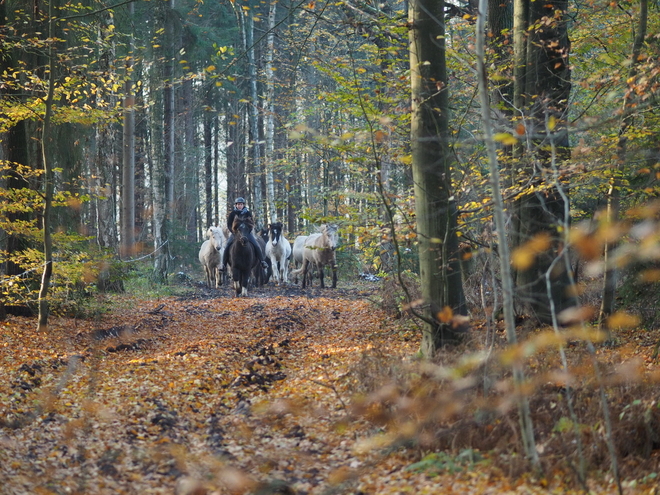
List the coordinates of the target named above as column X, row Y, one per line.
column 491, row 170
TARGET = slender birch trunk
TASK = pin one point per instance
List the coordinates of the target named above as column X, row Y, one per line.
column 257, row 166
column 271, row 214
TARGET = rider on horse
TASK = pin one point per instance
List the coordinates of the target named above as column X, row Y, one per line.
column 242, row 212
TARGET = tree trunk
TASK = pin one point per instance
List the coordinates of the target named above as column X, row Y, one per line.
column 49, row 186
column 525, row 417
column 271, row 212
column 614, row 193
column 431, row 161
column 208, row 166
column 164, row 188
column 542, row 88
column 255, row 131
column 128, row 156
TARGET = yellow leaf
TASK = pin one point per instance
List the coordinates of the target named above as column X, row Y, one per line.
column 406, row 159
column 505, row 138
column 650, row 275
column 621, row 319
column 523, row 256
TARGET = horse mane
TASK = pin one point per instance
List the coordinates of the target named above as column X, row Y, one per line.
column 237, row 221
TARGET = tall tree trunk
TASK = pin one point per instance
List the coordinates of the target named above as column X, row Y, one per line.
column 255, row 131
column 235, row 130
column 216, row 170
column 431, row 163
column 542, row 88
column 269, row 103
column 525, row 417
column 49, row 186
column 103, row 165
column 128, row 155
column 208, row 163
column 614, row 193
column 164, row 198
column 189, row 146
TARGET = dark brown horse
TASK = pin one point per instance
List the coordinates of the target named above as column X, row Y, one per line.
column 242, row 256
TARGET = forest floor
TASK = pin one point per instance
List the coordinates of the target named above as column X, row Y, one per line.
column 292, row 392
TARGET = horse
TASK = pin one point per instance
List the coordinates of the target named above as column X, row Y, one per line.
column 262, row 275
column 297, row 255
column 263, row 233
column 210, row 254
column 278, row 250
column 319, row 250
column 263, row 236
column 242, row 256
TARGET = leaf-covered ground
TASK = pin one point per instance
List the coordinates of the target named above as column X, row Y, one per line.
column 279, row 392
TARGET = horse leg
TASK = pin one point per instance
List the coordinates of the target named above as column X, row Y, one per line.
column 321, row 269
column 244, row 283
column 236, row 278
column 207, row 272
column 276, row 269
column 305, row 267
column 285, row 271
column 310, row 273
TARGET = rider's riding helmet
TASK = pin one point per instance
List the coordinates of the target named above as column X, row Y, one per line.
column 239, row 200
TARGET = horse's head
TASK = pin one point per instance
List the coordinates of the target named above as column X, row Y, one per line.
column 216, row 236
column 274, row 232
column 242, row 229
column 330, row 231
column 244, row 225
column 263, row 233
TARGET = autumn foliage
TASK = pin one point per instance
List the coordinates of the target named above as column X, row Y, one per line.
column 316, row 392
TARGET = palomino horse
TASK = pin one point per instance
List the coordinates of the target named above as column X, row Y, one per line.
column 242, row 255
column 278, row 250
column 319, row 250
column 209, row 256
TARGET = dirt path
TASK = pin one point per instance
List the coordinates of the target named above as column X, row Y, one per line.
column 228, row 392
column 210, row 394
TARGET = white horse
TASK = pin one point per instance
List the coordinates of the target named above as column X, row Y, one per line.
column 319, row 250
column 210, row 255
column 278, row 249
column 297, row 255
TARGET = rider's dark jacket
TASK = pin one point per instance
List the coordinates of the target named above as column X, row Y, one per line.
column 244, row 213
